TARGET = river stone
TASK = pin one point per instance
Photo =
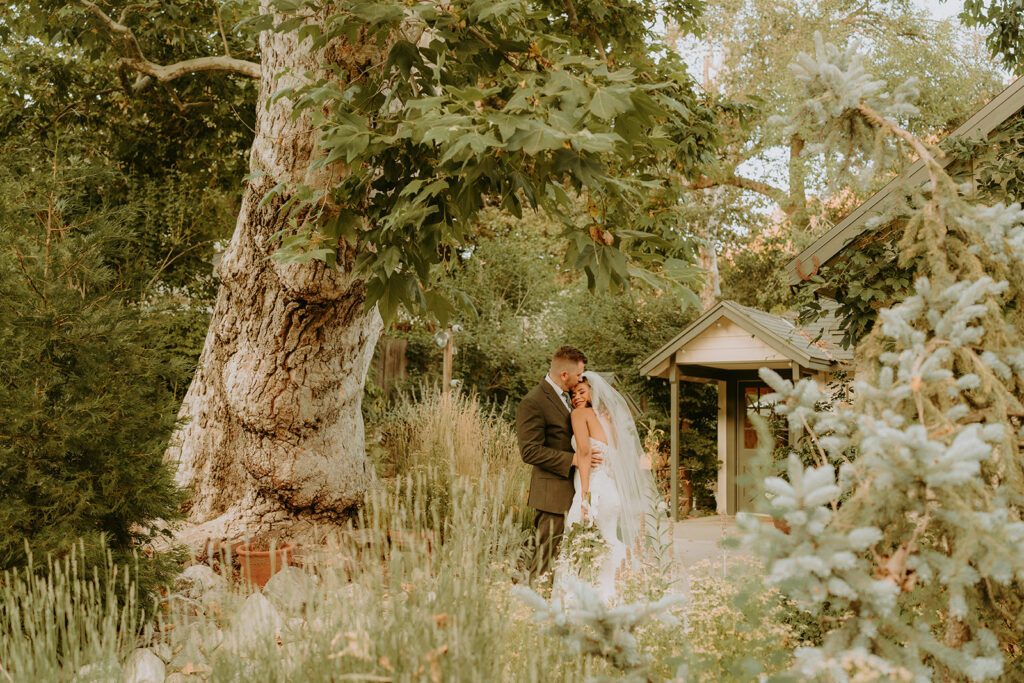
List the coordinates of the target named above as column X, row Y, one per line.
column 256, row 623
column 198, row 580
column 290, row 589
column 293, row 629
column 204, row 635
column 100, row 671
column 162, row 650
column 143, row 666
column 189, row 654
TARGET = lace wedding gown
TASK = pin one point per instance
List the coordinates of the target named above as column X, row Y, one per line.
column 604, row 509
column 621, row 491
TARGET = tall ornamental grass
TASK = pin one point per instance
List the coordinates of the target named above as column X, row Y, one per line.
column 397, row 599
column 55, row 622
column 421, row 586
column 452, row 436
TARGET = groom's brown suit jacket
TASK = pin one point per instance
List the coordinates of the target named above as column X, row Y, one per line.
column 544, row 429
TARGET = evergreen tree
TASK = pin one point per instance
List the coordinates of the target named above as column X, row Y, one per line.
column 918, row 540
column 88, row 393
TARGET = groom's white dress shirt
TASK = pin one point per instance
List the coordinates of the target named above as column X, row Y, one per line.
column 560, row 391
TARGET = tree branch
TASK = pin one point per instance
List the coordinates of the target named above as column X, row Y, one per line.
column 733, row 180
column 489, row 43
column 129, row 8
column 574, row 24
column 137, row 60
column 224, row 36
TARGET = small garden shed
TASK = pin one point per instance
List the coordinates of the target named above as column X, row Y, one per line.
column 996, row 130
column 726, row 346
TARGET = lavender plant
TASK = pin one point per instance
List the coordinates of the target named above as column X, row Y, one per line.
column 918, row 537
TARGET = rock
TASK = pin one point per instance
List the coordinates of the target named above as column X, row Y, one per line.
column 206, row 637
column 198, row 580
column 143, row 666
column 162, row 650
column 200, row 633
column 257, row 622
column 290, row 589
column 294, row 629
column 178, row 677
column 190, row 659
column 100, row 671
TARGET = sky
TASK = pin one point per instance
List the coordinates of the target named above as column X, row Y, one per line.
column 941, row 10
column 773, row 167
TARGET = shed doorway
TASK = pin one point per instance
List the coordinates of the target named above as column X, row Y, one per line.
column 752, row 395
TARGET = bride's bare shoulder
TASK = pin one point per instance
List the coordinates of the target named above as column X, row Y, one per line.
column 583, row 412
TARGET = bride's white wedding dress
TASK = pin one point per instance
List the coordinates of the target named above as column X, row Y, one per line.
column 604, row 509
column 621, row 491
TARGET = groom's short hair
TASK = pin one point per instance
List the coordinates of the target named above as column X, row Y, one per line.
column 569, row 354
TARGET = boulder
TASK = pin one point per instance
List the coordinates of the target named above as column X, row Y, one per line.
column 198, row 580
column 99, row 671
column 290, row 589
column 143, row 666
column 201, row 634
column 255, row 624
column 190, row 659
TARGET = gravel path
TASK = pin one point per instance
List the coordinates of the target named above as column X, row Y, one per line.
column 696, row 540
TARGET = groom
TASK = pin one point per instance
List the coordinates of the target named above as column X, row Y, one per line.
column 545, row 432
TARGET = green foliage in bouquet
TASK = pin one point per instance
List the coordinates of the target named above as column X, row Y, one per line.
column 583, row 549
column 917, row 540
column 89, row 399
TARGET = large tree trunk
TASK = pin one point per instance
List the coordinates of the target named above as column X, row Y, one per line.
column 273, row 430
column 796, row 203
column 711, row 290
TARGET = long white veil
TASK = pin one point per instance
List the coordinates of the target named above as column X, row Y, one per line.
column 635, row 485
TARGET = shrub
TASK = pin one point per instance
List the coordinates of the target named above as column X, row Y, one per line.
column 88, row 397
column 737, row 627
column 449, row 437
column 925, row 553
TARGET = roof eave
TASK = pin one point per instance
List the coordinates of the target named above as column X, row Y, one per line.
column 1001, row 107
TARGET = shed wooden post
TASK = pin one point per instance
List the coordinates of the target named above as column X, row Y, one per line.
column 673, row 381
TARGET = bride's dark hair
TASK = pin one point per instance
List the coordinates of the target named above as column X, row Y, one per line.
column 584, row 380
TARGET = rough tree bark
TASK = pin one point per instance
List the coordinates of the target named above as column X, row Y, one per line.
column 711, row 291
column 796, row 202
column 273, row 429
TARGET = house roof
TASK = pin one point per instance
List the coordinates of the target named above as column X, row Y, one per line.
column 802, row 345
column 980, row 124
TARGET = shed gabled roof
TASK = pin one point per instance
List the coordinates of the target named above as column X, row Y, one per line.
column 984, row 121
column 774, row 330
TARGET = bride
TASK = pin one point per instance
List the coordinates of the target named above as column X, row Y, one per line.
column 616, row 494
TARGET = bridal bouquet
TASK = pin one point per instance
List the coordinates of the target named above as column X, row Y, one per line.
column 584, row 549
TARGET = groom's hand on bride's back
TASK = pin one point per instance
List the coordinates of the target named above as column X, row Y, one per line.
column 595, row 457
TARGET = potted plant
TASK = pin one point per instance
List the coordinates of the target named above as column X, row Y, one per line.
column 259, row 563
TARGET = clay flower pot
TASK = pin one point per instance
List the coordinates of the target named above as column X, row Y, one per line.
column 259, row 565
column 780, row 524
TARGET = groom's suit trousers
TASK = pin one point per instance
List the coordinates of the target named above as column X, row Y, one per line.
column 544, row 430
column 549, row 537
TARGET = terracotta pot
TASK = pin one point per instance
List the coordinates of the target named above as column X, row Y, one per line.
column 259, row 565
column 780, row 524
